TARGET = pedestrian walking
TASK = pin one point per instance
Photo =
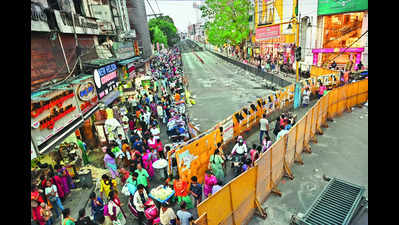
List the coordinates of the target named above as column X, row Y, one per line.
column 67, row 219
column 196, row 190
column 184, row 217
column 83, row 219
column 96, row 205
column 52, row 196
column 143, row 176
column 82, row 147
column 209, row 181
column 115, row 210
column 167, row 215
column 264, row 128
column 217, row 187
column 139, row 198
column 216, row 164
column 306, row 96
column 109, row 162
column 106, row 185
column 45, row 212
column 36, row 199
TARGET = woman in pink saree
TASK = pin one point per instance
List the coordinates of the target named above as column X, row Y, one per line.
column 209, row 181
column 147, row 162
column 109, row 161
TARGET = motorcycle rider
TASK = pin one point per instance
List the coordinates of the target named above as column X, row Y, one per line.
column 239, row 151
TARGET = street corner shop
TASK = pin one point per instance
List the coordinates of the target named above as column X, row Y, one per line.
column 78, row 107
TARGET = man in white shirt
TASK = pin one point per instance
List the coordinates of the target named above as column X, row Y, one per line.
column 155, row 132
column 139, row 198
column 264, row 127
column 240, row 148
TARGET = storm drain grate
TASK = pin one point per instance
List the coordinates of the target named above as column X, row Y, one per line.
column 336, row 204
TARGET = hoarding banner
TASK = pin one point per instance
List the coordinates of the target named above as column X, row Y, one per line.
column 123, row 50
column 105, row 79
column 86, row 94
column 51, row 112
column 326, row 7
column 264, row 33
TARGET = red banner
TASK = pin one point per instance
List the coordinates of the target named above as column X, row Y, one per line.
column 264, row 33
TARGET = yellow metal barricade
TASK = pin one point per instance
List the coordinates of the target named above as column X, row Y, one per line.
column 263, row 188
column 278, row 160
column 291, row 143
column 243, row 195
column 218, row 207
column 363, row 91
column 301, row 125
column 315, row 112
column 341, row 104
column 332, row 103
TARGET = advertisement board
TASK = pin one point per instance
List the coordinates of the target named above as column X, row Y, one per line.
column 51, row 111
column 131, row 69
column 326, row 7
column 101, row 12
column 86, row 94
column 264, row 33
column 123, row 50
column 105, row 79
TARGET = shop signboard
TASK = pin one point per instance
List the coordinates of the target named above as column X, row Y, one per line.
column 131, row 69
column 86, row 94
column 102, row 12
column 327, row 7
column 264, row 33
column 51, row 111
column 33, row 154
column 123, row 50
column 105, row 79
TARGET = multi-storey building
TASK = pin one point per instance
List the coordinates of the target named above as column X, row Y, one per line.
column 84, row 56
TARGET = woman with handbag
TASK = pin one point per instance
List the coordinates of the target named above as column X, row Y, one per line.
column 52, row 196
column 115, row 211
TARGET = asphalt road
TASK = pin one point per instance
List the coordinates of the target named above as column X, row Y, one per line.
column 220, row 88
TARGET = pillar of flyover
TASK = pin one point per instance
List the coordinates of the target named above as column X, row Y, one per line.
column 138, row 20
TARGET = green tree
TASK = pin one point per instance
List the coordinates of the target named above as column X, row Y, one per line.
column 158, row 36
column 167, row 26
column 228, row 21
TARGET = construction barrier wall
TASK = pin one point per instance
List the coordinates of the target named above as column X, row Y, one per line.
column 237, row 201
column 201, row 147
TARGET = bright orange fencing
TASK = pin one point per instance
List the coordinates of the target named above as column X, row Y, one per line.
column 235, row 203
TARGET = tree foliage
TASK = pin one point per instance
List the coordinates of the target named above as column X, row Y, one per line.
column 228, row 21
column 158, row 36
column 166, row 25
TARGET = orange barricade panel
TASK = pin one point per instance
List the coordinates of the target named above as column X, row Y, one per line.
column 307, row 127
column 277, row 160
column 314, row 119
column 320, row 113
column 341, row 100
column 363, row 91
column 332, row 103
column 325, row 108
column 263, row 176
column 300, row 135
column 291, row 142
column 243, row 194
column 217, row 212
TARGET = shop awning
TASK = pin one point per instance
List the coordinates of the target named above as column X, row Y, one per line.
column 127, row 61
